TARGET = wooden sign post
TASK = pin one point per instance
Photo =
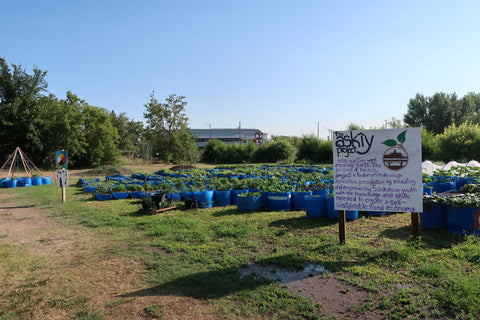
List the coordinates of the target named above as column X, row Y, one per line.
column 414, row 219
column 341, row 226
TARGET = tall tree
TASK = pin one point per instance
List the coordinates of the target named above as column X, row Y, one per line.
column 167, row 128
column 61, row 129
column 100, row 136
column 16, row 83
column 20, row 123
column 435, row 113
column 315, row 150
column 129, row 131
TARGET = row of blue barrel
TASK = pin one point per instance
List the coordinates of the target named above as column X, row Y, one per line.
column 24, row 182
column 445, row 184
column 456, row 220
column 275, row 201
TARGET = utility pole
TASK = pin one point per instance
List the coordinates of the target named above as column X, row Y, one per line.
column 239, row 131
column 210, row 126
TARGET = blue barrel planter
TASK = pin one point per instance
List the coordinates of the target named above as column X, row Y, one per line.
column 428, row 190
column 174, row 196
column 3, row 183
column 222, row 198
column 120, row 195
column 461, row 181
column 102, row 197
column 333, row 214
column 24, row 182
column 248, row 203
column 12, row 183
column 264, row 199
column 204, row 198
column 463, row 220
column 279, row 201
column 322, row 192
column 440, row 187
column 137, row 194
column 37, row 181
column 46, row 180
column 298, row 199
column 234, row 195
column 315, row 206
column 188, row 195
column 434, row 217
column 89, row 189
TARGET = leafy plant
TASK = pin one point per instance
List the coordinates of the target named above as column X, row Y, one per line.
column 468, row 200
column 148, row 206
column 134, row 187
column 165, row 187
column 429, row 200
column 238, row 184
column 104, row 188
column 249, row 194
column 426, row 178
column 223, row 184
column 471, row 188
column 149, row 187
column 119, row 188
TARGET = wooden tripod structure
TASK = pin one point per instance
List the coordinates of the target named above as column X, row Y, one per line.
column 19, row 159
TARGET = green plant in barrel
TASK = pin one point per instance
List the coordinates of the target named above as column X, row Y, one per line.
column 119, row 188
column 134, row 187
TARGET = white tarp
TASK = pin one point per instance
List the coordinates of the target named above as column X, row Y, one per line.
column 429, row 167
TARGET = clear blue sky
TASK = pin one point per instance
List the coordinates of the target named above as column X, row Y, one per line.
column 279, row 66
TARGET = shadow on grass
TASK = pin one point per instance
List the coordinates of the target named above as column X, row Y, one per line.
column 17, row 207
column 432, row 238
column 302, row 223
column 230, row 211
column 203, row 285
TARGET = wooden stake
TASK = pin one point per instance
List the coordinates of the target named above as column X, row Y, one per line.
column 341, row 226
column 414, row 216
column 64, row 194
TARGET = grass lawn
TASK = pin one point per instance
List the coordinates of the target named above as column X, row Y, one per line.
column 195, row 256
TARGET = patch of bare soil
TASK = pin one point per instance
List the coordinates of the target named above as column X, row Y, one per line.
column 339, row 300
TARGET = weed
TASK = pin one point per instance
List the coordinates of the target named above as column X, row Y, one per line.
column 88, row 314
column 119, row 302
column 155, row 310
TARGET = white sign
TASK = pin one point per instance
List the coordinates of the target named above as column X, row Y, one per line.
column 378, row 170
column 62, row 178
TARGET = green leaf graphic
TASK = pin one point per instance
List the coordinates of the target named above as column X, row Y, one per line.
column 401, row 137
column 390, row 143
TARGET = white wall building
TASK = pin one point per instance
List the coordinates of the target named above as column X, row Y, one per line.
column 229, row 136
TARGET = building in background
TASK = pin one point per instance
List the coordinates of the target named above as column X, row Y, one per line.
column 229, row 136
